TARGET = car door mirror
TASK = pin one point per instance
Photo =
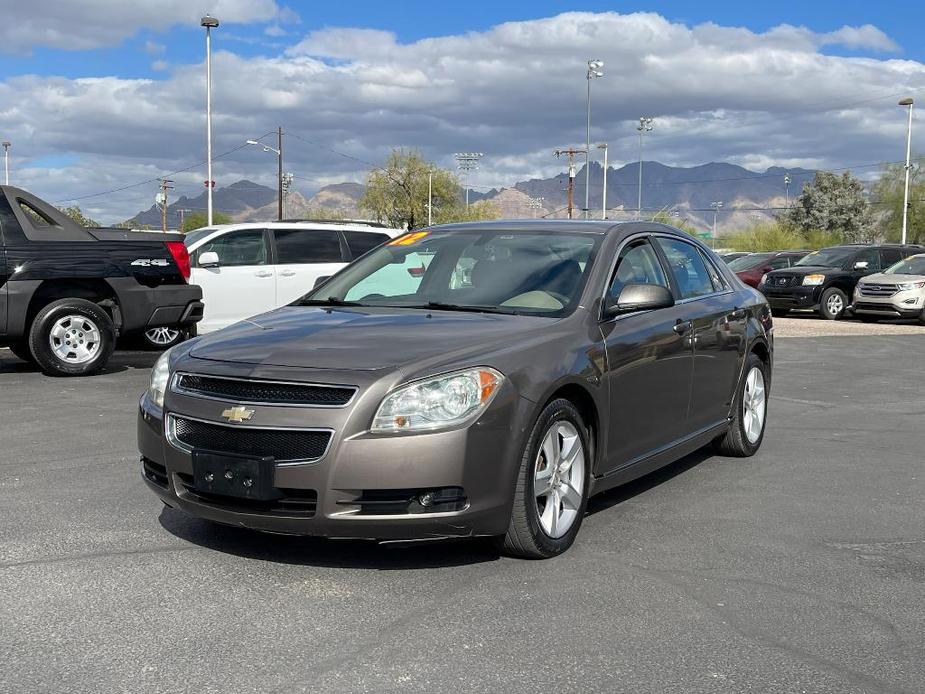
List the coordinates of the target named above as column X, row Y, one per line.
column 321, row 280
column 208, row 259
column 639, row 297
column 861, row 265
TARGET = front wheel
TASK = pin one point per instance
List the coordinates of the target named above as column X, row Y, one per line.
column 552, row 485
column 746, row 430
column 72, row 337
column 833, row 303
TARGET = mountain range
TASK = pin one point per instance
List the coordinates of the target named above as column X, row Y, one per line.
column 683, row 192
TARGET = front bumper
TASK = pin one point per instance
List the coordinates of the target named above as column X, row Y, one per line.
column 331, row 495
column 903, row 304
column 791, row 297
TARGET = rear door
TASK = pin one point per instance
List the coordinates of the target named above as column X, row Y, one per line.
column 304, row 255
column 243, row 284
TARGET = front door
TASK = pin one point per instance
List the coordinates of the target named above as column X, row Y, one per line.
column 302, row 256
column 4, row 277
column 242, row 285
column 649, row 365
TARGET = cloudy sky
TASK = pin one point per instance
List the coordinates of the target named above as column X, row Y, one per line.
column 98, row 95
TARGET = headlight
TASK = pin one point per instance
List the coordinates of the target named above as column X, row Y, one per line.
column 440, row 401
column 764, row 278
column 905, row 286
column 813, row 280
column 160, row 375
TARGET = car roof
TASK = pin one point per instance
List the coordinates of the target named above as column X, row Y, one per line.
column 352, row 225
column 562, row 226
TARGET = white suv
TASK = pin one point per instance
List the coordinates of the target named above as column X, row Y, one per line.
column 897, row 292
column 248, row 269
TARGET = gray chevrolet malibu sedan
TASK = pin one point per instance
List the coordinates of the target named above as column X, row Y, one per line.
column 470, row 379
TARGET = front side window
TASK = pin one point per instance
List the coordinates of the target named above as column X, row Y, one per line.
column 869, row 256
column 637, row 264
column 248, row 247
column 488, row 270
column 306, row 246
column 688, row 268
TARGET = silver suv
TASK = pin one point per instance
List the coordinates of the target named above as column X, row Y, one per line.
column 897, row 292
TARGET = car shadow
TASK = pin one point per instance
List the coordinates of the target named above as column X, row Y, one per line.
column 119, row 362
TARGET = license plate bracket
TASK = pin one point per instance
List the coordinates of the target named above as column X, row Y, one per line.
column 235, row 475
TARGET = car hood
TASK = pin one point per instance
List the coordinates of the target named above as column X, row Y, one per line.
column 884, row 278
column 804, row 270
column 365, row 339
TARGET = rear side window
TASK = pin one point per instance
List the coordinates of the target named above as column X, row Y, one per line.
column 688, row 268
column 247, row 247
column 361, row 242
column 889, row 256
column 305, row 246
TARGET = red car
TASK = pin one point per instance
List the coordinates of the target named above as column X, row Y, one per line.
column 751, row 267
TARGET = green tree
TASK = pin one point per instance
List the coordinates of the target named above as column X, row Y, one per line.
column 888, row 194
column 477, row 211
column 74, row 213
column 397, row 192
column 196, row 220
column 833, row 204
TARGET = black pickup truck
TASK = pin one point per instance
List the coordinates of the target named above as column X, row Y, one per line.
column 67, row 292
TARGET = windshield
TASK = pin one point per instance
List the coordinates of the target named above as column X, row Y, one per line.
column 913, row 265
column 747, row 262
column 483, row 270
column 193, row 236
column 827, row 257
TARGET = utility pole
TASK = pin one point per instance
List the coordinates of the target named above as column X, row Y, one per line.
column 279, row 174
column 535, row 204
column 787, row 187
column 908, row 101
column 468, row 161
column 645, row 126
column 430, row 198
column 162, row 201
column 716, row 206
column 182, row 212
column 603, row 146
column 6, row 159
column 570, row 153
column 209, row 23
column 594, row 70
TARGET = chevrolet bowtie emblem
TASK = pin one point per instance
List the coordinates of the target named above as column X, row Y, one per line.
column 238, row 414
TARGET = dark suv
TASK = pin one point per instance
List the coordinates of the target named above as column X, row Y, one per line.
column 824, row 280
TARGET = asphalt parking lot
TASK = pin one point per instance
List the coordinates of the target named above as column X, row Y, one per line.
column 799, row 570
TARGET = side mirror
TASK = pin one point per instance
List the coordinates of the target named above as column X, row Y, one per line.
column 321, row 280
column 861, row 265
column 639, row 297
column 208, row 259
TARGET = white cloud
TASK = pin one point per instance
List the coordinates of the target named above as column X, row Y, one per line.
column 515, row 92
column 154, row 48
column 159, row 65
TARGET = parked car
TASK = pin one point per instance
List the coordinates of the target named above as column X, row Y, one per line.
column 897, row 292
column 530, row 365
column 752, row 267
column 246, row 269
column 735, row 255
column 824, row 280
column 67, row 292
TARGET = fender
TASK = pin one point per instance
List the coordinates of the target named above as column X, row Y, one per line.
column 19, row 295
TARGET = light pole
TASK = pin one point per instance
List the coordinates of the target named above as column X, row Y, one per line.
column 716, row 207
column 535, row 204
column 594, row 70
column 210, row 23
column 603, row 146
column 908, row 101
column 279, row 168
column 468, row 161
column 6, row 159
column 787, row 187
column 645, row 126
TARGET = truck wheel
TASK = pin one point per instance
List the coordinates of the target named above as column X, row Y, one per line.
column 162, row 338
column 21, row 350
column 780, row 312
column 72, row 337
column 833, row 303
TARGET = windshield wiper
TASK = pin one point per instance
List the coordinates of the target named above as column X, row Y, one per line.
column 330, row 301
column 441, row 306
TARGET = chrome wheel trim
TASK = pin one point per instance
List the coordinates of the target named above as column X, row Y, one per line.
column 835, row 305
column 754, row 405
column 559, row 479
column 162, row 336
column 75, row 339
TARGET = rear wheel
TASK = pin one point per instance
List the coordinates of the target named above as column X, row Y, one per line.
column 551, row 491
column 833, row 303
column 162, row 338
column 779, row 312
column 746, row 431
column 72, row 337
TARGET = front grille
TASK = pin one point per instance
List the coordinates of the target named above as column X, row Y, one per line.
column 877, row 289
column 283, row 445
column 301, row 503
column 780, row 281
column 154, row 472
column 264, row 392
column 878, row 308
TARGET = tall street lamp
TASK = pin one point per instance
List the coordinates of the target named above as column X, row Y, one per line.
column 279, row 168
column 716, row 207
column 594, row 70
column 6, row 159
column 908, row 101
column 468, row 161
column 645, row 126
column 603, row 146
column 209, row 23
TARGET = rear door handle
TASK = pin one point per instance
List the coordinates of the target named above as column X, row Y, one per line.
column 287, row 273
column 682, row 327
column 738, row 314
column 264, row 273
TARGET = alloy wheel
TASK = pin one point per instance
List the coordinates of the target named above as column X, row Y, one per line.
column 835, row 305
column 754, row 405
column 162, row 336
column 559, row 478
column 75, row 339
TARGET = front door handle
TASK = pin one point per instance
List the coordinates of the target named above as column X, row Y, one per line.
column 287, row 273
column 264, row 273
column 682, row 327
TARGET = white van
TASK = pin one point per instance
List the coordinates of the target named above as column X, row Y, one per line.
column 251, row 268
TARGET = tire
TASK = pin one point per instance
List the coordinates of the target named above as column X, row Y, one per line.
column 83, row 337
column 159, row 339
column 833, row 303
column 780, row 312
column 740, row 441
column 533, row 533
column 21, row 351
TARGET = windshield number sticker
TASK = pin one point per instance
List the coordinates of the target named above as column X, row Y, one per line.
column 409, row 239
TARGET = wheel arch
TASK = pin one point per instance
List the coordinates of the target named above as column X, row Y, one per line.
column 582, row 398
column 96, row 290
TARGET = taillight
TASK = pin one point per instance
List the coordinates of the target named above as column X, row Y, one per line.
column 180, row 257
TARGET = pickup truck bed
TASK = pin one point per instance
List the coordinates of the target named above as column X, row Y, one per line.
column 64, row 286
